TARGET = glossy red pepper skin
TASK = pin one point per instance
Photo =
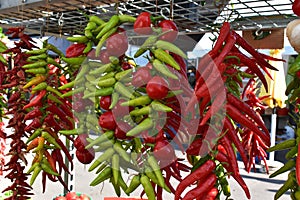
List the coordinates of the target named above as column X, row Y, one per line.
column 157, row 88
column 143, row 24
column 117, row 44
column 36, row 112
column 296, row 7
column 75, row 50
column 36, row 100
column 201, row 172
column 170, row 26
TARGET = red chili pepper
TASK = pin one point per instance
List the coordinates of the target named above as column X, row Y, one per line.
column 61, row 114
column 237, row 116
column 143, row 23
column 36, row 100
column 51, row 122
column 244, row 44
column 14, row 97
column 75, row 50
column 202, row 188
column 60, row 160
column 233, row 135
column 223, row 33
column 216, row 106
column 203, row 171
column 253, row 67
column 36, row 112
column 117, row 44
column 33, row 125
column 170, row 26
column 296, row 7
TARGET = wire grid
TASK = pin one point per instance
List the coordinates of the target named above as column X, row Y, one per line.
column 191, row 16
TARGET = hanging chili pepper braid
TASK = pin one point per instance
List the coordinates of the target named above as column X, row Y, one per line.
column 14, row 80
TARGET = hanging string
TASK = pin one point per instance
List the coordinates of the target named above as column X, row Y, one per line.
column 171, row 9
column 156, row 6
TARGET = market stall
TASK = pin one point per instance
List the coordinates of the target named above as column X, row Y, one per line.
column 106, row 84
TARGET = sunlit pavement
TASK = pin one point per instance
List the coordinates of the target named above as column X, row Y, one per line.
column 259, row 183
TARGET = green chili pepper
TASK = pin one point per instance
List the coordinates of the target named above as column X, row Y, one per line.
column 72, row 92
column 40, row 86
column 37, row 57
column 100, row 139
column 103, row 157
column 99, row 92
column 147, row 187
column 37, row 51
column 116, row 186
column 47, row 168
column 90, row 25
column 55, row 91
column 74, row 60
column 156, row 168
column 295, row 66
column 102, row 167
column 54, row 99
column 105, row 145
column 112, row 23
column 141, row 111
column 35, row 65
column 114, row 60
column 126, row 18
column 78, row 39
column 156, row 105
column 122, row 183
column 53, row 62
column 89, row 47
column 124, row 91
column 35, row 134
column 149, row 42
column 138, row 101
column 289, row 184
column 121, row 151
column 163, row 69
column 165, row 45
column 32, row 167
column 151, row 175
column 96, row 19
column 142, row 126
column 287, row 144
column 109, row 82
column 114, row 100
column 104, row 175
column 99, row 28
column 75, row 131
column 3, row 60
column 67, row 85
column 88, row 33
column 166, row 58
column 53, row 48
column 106, row 76
column 123, row 74
column 286, row 167
column 39, row 70
column 115, row 165
column 35, row 173
column 134, row 183
column 50, row 139
column 291, row 153
column 102, row 69
column 103, row 39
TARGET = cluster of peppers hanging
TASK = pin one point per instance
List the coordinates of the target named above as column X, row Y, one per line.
column 138, row 113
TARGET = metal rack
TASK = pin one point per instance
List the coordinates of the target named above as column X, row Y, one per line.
column 192, row 16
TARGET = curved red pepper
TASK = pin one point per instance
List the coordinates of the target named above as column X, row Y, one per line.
column 143, row 23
